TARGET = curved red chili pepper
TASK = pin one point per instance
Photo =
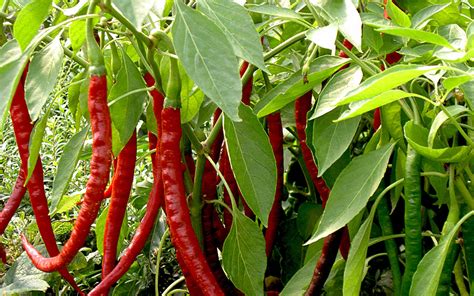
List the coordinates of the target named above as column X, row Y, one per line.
column 302, row 106
column 108, row 191
column 100, row 169
column 182, row 234
column 275, row 133
column 13, row 202
column 152, row 208
column 22, row 127
column 122, row 185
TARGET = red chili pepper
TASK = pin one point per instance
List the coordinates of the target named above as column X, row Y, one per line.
column 108, row 191
column 218, row 229
column 152, row 209
column 325, row 263
column 122, row 185
column 100, row 169
column 3, row 254
column 193, row 288
column 275, row 133
column 302, row 106
column 22, row 126
column 182, row 234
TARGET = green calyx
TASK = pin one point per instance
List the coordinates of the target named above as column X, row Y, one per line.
column 96, row 59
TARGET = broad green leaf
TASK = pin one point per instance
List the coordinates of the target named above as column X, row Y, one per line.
column 10, row 74
column 242, row 255
column 252, row 160
column 77, row 33
column 416, row 34
column 345, row 15
column 352, row 190
column 100, row 230
column 36, row 139
column 330, row 139
column 67, row 202
column 9, row 52
column 29, row 20
column 397, row 15
column 276, row 11
column 299, row 282
column 135, row 11
column 422, row 17
column 238, row 26
column 191, row 98
column 324, row 37
column 417, row 137
column 42, row 76
column 360, row 107
column 25, row 286
column 441, row 118
column 428, row 272
column 336, row 89
column 451, row 83
column 66, row 166
column 294, row 87
column 208, row 58
column 126, row 111
column 386, row 80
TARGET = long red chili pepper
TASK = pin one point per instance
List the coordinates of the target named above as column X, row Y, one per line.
column 23, row 127
column 325, row 263
column 275, row 133
column 108, row 191
column 152, row 209
column 329, row 252
column 122, row 185
column 182, row 234
column 100, row 168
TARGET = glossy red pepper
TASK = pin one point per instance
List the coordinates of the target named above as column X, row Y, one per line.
column 275, row 133
column 22, row 127
column 122, row 186
column 100, row 169
column 152, row 208
column 182, row 234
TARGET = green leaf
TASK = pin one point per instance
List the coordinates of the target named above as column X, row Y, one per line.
column 451, row 83
column 361, row 107
column 10, row 74
column 441, row 118
column 36, row 139
column 68, row 202
column 294, row 87
column 276, row 11
column 66, row 166
column 100, row 230
column 29, row 20
column 252, row 160
column 126, row 111
column 336, row 89
column 299, row 282
column 397, row 15
column 42, row 76
column 9, row 52
column 243, row 255
column 391, row 121
column 386, row 80
column 77, row 34
column 25, row 286
column 422, row 17
column 428, row 272
column 352, row 190
column 206, row 55
column 238, row 26
column 324, row 37
column 135, row 11
column 416, row 34
column 331, row 139
column 345, row 15
column 417, row 137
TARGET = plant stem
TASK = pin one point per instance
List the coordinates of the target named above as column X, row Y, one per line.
column 461, row 187
column 356, row 59
column 459, row 278
column 195, row 207
column 173, row 284
column 158, row 260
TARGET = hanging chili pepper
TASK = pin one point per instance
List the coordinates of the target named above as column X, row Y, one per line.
column 275, row 133
column 182, row 234
column 22, row 127
column 100, row 161
column 122, row 185
column 152, row 208
column 302, row 107
column 108, row 191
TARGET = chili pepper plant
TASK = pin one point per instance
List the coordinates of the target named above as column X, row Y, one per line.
column 220, row 147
